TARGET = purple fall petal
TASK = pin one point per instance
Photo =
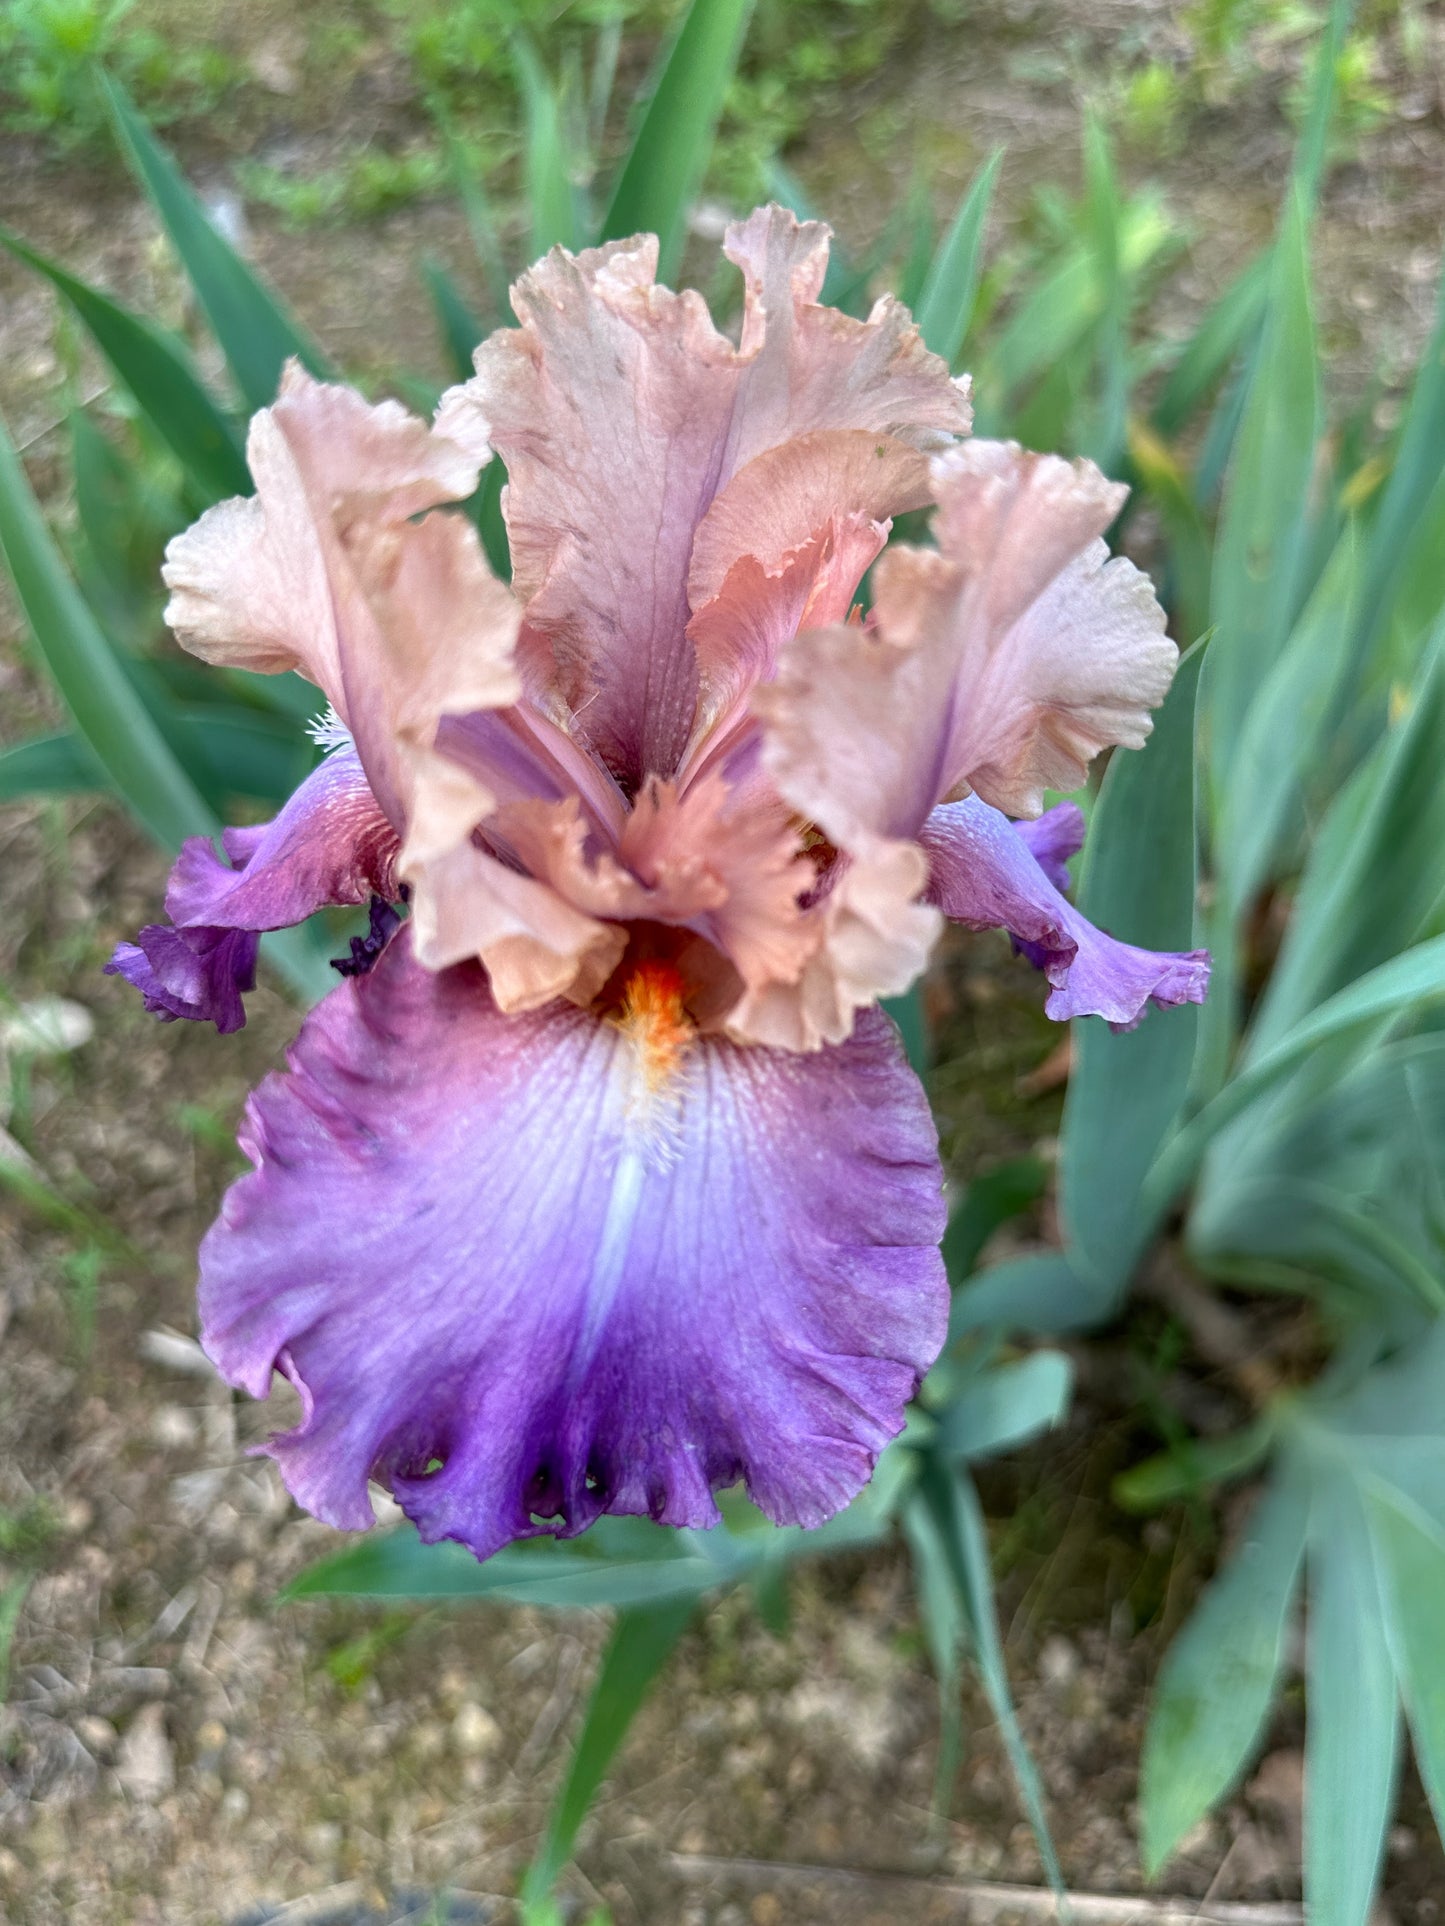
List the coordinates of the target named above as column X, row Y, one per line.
column 526, row 1275
column 330, row 844
column 1053, row 838
column 198, row 974
column 984, row 874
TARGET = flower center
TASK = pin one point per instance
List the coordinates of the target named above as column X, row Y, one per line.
column 653, row 1017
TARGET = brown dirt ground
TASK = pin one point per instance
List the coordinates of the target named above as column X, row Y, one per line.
column 177, row 1750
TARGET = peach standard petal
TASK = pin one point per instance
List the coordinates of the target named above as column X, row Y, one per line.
column 869, row 936
column 1033, row 648
column 740, row 632
column 249, row 582
column 622, row 415
column 1001, row 661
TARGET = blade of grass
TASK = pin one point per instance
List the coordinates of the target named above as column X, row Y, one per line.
column 1207, row 355
column 256, row 334
column 964, row 1538
column 460, row 328
column 1126, row 1088
column 669, row 153
column 1352, row 1731
column 945, row 307
column 1218, row 1678
column 1104, row 214
column 551, row 199
column 1257, row 559
column 1411, row 1549
column 1405, row 983
column 1380, row 891
column 1414, row 478
column 943, row 1630
column 58, row 764
column 113, row 722
column 918, row 231
column 641, row 1644
column 157, row 370
column 477, row 210
column 1313, row 148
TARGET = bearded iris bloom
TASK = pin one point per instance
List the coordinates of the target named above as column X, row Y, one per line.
column 600, row 1183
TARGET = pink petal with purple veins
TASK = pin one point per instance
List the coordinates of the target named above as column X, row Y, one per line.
column 527, row 1270
column 984, row 874
column 623, row 414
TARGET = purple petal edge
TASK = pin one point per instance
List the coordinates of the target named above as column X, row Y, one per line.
column 197, row 974
column 983, row 873
column 514, row 1290
column 329, row 844
column 1053, row 838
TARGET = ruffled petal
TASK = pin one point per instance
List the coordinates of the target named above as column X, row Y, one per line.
column 197, row 974
column 997, row 662
column 429, row 633
column 830, row 748
column 615, row 391
column 330, row 845
column 983, row 873
column 610, row 405
column 527, row 1270
column 1025, row 649
column 740, row 633
column 325, row 570
column 728, row 868
column 791, row 494
column 810, row 367
column 536, row 945
column 248, row 581
column 868, row 935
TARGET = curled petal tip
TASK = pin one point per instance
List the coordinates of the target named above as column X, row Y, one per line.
column 989, row 873
column 199, row 974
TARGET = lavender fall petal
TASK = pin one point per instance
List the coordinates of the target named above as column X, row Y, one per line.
column 983, row 873
column 529, row 1269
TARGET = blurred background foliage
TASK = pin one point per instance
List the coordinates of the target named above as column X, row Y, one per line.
column 467, row 59
column 1273, row 1165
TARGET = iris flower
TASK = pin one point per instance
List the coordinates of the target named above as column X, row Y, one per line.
column 601, row 1183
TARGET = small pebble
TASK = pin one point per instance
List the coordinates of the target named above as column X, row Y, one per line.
column 47, row 1027
column 173, row 1427
column 323, row 1841
column 474, row 1731
column 1058, row 1661
column 97, row 1735
column 235, row 1804
column 145, row 1764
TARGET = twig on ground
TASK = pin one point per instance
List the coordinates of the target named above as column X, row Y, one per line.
column 981, row 1901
